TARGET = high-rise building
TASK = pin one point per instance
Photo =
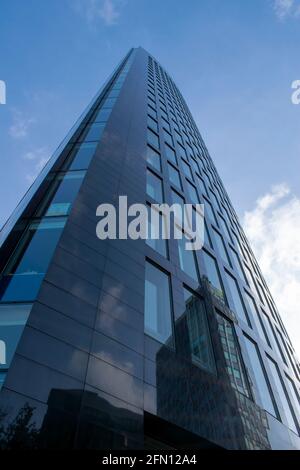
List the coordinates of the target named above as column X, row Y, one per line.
column 127, row 344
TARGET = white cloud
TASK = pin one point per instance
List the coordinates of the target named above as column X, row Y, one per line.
column 20, row 125
column 38, row 159
column 273, row 230
column 287, row 9
column 108, row 11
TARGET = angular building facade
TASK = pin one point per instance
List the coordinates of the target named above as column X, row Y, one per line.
column 132, row 344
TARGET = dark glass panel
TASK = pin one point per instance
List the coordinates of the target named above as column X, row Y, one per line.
column 26, row 269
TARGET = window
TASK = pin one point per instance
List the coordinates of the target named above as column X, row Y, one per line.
column 200, row 347
column 237, row 265
column 102, row 116
column 195, row 165
column 26, row 269
column 93, row 132
column 207, row 239
column 238, row 305
column 170, row 154
column 13, row 318
column 274, row 342
column 259, row 373
column 293, row 392
column 153, row 138
column 178, row 138
column 174, row 176
column 213, row 275
column 81, row 155
column 108, row 103
column 213, row 197
column 221, row 247
column 168, row 137
column 234, row 362
column 209, row 211
column 193, row 193
column 187, row 169
column 157, row 304
column 181, row 151
column 154, row 187
column 62, row 194
column 153, row 158
column 163, row 114
column 156, row 232
column 288, row 411
column 225, row 227
column 201, row 185
column 152, row 112
column 166, row 125
column 256, row 317
column 152, row 123
column 187, row 259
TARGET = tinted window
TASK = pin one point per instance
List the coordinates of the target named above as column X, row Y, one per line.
column 174, row 176
column 283, row 395
column 153, row 158
column 260, row 377
column 157, row 304
column 26, row 269
column 199, row 338
column 187, row 259
column 238, row 305
column 154, row 187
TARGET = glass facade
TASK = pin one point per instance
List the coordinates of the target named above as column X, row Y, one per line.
column 102, row 339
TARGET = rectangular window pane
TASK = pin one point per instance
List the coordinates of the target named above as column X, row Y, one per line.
column 199, row 342
column 81, row 156
column 274, row 343
column 168, row 137
column 153, row 138
column 152, row 123
column 13, row 318
column 103, row 115
column 153, row 158
column 152, row 112
column 166, row 125
column 156, row 232
column 157, row 304
column 154, row 187
column 259, row 373
column 187, row 170
column 26, row 269
column 234, row 361
column 221, row 247
column 208, row 211
column 93, row 133
column 293, row 392
column 250, row 304
column 187, row 259
column 237, row 265
column 213, row 275
column 238, row 305
column 174, row 176
column 282, row 394
column 201, row 185
column 61, row 194
column 181, row 151
column 170, row 154
column 193, row 193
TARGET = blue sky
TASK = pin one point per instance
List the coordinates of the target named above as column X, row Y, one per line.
column 234, row 62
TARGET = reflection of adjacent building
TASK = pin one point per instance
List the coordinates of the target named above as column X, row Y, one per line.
column 208, row 394
column 73, row 418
